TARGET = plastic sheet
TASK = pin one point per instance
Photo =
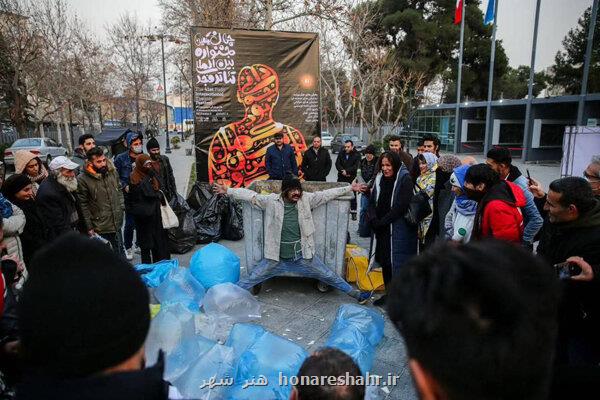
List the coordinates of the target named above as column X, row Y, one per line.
column 171, row 326
column 180, row 287
column 214, row 264
column 214, row 368
column 357, row 330
column 184, row 355
column 154, row 274
column 231, row 301
column 183, row 238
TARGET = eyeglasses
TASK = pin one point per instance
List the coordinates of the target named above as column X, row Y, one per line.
column 590, row 178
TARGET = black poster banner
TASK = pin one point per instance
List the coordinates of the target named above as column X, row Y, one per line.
column 249, row 85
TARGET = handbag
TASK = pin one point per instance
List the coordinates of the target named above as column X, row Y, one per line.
column 418, row 208
column 169, row 219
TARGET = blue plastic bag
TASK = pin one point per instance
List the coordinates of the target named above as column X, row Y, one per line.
column 154, row 274
column 271, row 356
column 214, row 264
column 180, row 287
column 242, row 336
column 185, row 355
column 172, row 326
column 357, row 330
column 210, row 377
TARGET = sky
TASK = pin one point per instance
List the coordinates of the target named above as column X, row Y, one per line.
column 515, row 23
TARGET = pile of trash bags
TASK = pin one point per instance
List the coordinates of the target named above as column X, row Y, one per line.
column 215, row 216
column 183, row 238
column 214, row 264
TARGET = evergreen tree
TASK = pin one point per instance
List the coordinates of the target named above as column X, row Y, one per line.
column 568, row 68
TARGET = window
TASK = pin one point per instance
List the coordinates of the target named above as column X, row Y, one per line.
column 552, row 135
column 511, row 134
column 27, row 143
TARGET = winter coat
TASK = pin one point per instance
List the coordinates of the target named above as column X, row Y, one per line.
column 531, row 216
column 35, row 234
column 13, row 227
column 22, row 158
column 348, row 162
column 124, row 163
column 316, row 165
column 459, row 224
column 499, row 213
column 101, row 200
column 403, row 237
column 273, row 217
column 143, row 203
column 79, row 158
column 367, row 169
column 166, row 177
column 145, row 384
column 279, row 163
column 58, row 207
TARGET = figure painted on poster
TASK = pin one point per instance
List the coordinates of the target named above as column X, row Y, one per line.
column 237, row 152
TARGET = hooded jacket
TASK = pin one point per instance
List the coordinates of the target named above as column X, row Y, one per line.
column 101, row 199
column 499, row 213
column 22, row 158
column 123, row 162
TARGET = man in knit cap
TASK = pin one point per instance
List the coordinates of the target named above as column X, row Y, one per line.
column 291, row 244
column 162, row 166
column 84, row 318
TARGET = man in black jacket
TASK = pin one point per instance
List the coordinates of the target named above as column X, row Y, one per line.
column 165, row 173
column 96, row 349
column 56, row 197
column 316, row 162
column 347, row 164
column 572, row 230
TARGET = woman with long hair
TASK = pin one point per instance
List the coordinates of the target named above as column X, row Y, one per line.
column 393, row 241
column 143, row 203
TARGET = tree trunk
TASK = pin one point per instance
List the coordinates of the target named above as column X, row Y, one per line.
column 137, row 109
column 268, row 14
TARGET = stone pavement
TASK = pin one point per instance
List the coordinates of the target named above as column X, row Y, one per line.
column 294, row 308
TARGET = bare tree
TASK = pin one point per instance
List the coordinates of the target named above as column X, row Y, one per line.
column 134, row 56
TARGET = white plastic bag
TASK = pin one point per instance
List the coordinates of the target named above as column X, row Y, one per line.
column 231, row 301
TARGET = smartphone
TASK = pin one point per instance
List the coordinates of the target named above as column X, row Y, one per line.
column 528, row 176
column 566, row 270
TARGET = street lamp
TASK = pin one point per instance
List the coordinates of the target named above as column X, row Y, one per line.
column 162, row 37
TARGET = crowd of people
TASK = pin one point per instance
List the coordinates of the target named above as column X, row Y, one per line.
column 494, row 290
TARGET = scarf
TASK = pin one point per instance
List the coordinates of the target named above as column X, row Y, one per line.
column 464, row 205
column 5, row 207
column 139, row 173
column 43, row 174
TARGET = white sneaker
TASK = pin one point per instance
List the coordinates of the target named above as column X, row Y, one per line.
column 128, row 254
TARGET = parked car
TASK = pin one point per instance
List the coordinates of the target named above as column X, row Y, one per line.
column 45, row 148
column 337, row 144
column 326, row 139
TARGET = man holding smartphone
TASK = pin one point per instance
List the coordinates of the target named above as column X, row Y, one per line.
column 571, row 233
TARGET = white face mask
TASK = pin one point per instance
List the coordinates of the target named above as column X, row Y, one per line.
column 137, row 149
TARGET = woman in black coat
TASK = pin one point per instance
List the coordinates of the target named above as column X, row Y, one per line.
column 394, row 241
column 143, row 202
column 18, row 189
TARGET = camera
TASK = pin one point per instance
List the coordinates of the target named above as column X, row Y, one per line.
column 566, row 270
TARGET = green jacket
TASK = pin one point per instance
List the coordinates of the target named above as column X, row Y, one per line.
column 101, row 200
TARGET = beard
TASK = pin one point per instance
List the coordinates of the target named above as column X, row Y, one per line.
column 68, row 183
column 155, row 157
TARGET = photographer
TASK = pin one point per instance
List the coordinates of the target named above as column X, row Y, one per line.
column 571, row 233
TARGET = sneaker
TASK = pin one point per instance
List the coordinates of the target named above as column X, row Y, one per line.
column 128, row 254
column 380, row 302
column 353, row 215
column 363, row 297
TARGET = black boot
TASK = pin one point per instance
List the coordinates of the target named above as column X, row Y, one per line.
column 380, row 302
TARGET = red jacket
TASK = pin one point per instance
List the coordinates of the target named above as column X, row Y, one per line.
column 499, row 214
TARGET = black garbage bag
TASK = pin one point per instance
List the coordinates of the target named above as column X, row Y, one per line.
column 208, row 219
column 199, row 195
column 183, row 238
column 233, row 221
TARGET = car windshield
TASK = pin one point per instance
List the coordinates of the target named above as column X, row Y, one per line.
column 27, row 143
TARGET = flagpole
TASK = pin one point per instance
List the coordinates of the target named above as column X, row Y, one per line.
column 488, row 112
column 527, row 132
column 587, row 61
column 458, row 82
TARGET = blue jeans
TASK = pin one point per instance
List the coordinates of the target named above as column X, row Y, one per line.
column 313, row 268
column 116, row 242
column 363, row 229
column 128, row 230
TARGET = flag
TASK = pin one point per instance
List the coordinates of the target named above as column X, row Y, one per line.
column 353, row 97
column 490, row 13
column 458, row 12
